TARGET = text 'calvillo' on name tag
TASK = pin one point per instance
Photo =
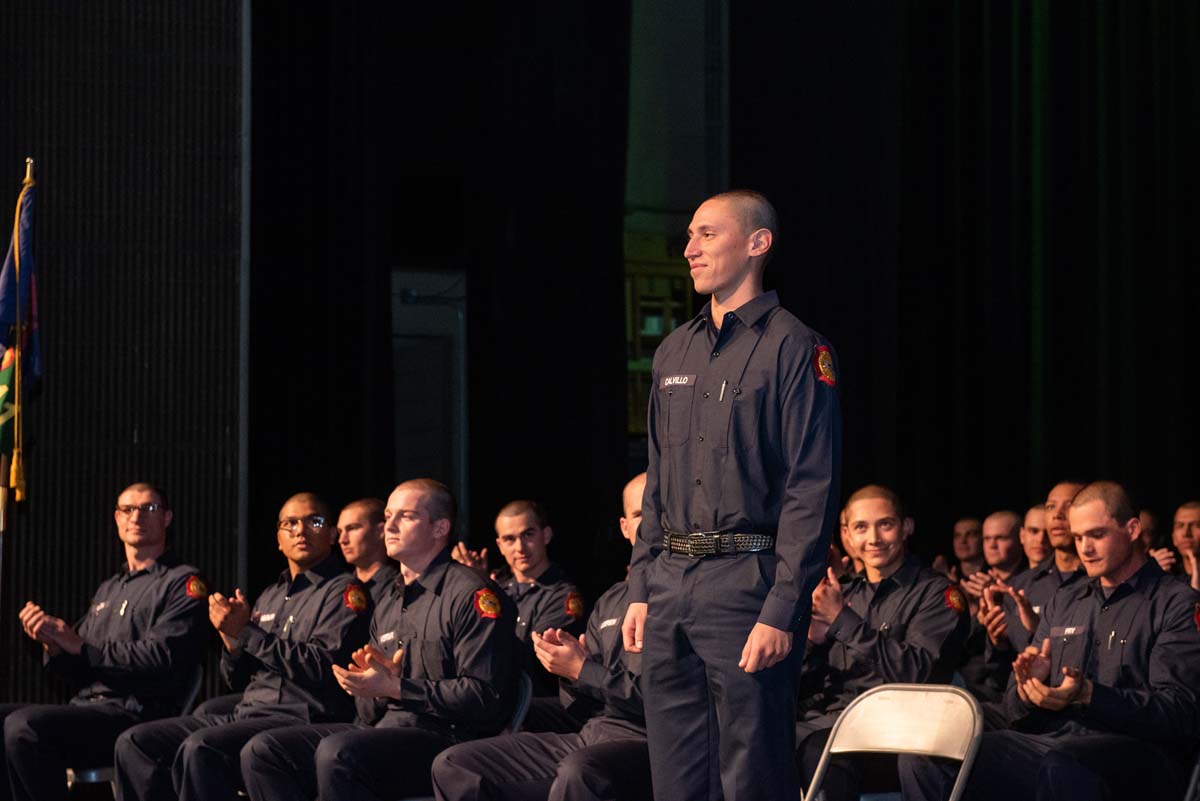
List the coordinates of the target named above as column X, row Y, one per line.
column 669, row 381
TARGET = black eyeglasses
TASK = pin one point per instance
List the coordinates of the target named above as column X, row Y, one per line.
column 144, row 508
column 293, row 524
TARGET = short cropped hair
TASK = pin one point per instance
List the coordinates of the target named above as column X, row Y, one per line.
column 876, row 491
column 145, row 486
column 439, row 500
column 753, row 208
column 372, row 506
column 1188, row 505
column 524, row 506
column 317, row 502
column 1116, row 500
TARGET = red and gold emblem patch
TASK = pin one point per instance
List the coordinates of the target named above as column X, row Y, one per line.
column 1196, row 617
column 196, row 588
column 487, row 604
column 355, row 599
column 955, row 599
column 823, row 360
column 575, row 605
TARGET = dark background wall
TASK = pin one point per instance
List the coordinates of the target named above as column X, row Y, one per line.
column 990, row 213
column 132, row 113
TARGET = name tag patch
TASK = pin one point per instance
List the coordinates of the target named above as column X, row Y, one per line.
column 612, row 621
column 267, row 618
column 391, row 635
column 669, row 381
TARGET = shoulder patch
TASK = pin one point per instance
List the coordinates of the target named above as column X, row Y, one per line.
column 955, row 599
column 823, row 361
column 487, row 604
column 1196, row 617
column 575, row 605
column 196, row 587
column 355, row 599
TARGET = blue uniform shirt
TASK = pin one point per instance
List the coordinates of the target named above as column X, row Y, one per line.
column 745, row 436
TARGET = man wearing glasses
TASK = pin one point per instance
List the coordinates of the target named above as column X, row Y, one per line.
column 134, row 653
column 279, row 652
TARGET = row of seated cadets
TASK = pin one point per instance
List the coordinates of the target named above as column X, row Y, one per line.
column 601, row 684
column 897, row 621
column 1103, row 702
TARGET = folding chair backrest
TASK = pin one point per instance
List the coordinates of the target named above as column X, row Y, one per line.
column 925, row 719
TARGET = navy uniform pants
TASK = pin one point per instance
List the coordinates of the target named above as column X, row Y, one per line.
column 540, row 766
column 703, row 712
column 42, row 740
column 340, row 762
column 193, row 757
column 1013, row 766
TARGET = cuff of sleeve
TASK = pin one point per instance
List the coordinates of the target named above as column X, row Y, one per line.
column 637, row 587
column 91, row 655
column 592, row 674
column 846, row 621
column 1105, row 706
column 780, row 614
column 250, row 638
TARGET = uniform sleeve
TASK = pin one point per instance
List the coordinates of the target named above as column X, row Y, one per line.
column 482, row 648
column 338, row 631
column 174, row 641
column 612, row 678
column 1166, row 709
column 934, row 635
column 1014, row 708
column 812, row 446
column 650, row 532
column 561, row 609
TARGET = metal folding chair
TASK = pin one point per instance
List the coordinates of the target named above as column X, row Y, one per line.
column 921, row 719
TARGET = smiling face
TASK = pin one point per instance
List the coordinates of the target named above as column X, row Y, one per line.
column 523, row 544
column 878, row 534
column 720, row 251
column 1105, row 545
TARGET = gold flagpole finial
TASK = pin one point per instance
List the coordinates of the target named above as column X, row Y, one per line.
column 29, row 170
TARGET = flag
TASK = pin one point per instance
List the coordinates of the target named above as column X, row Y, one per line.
column 21, row 361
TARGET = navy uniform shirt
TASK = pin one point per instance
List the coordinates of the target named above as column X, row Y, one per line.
column 1140, row 646
column 1039, row 584
column 298, row 629
column 550, row 601
column 609, row 682
column 379, row 585
column 143, row 635
column 456, row 629
column 909, row 629
column 745, row 436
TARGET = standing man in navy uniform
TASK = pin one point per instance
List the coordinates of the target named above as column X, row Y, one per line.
column 741, row 498
column 135, row 652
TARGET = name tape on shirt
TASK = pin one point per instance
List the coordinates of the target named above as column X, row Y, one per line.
column 1067, row 631
column 266, row 618
column 388, row 637
column 1196, row 617
column 612, row 621
column 669, row 381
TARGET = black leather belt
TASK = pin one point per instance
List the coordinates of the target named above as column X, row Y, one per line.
column 716, row 543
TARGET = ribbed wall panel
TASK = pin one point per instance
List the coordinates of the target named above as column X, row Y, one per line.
column 132, row 111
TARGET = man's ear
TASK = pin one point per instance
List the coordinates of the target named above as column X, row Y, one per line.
column 441, row 528
column 168, row 516
column 548, row 533
column 907, row 527
column 761, row 241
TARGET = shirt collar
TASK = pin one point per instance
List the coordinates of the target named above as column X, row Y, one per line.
column 326, row 568
column 749, row 313
column 163, row 563
column 1141, row 582
column 432, row 577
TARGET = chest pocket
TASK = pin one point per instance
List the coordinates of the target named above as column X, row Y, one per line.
column 428, row 659
column 1068, row 648
column 677, row 403
column 895, row 631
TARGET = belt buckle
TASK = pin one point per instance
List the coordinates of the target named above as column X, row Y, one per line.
column 696, row 546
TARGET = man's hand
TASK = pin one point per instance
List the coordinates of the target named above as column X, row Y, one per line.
column 1030, row 665
column 1075, row 689
column 367, row 657
column 52, row 632
column 379, row 679
column 1165, row 557
column 766, row 646
column 228, row 616
column 476, row 560
column 560, row 653
column 1029, row 618
column 634, row 627
column 827, row 599
column 991, row 617
column 974, row 584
